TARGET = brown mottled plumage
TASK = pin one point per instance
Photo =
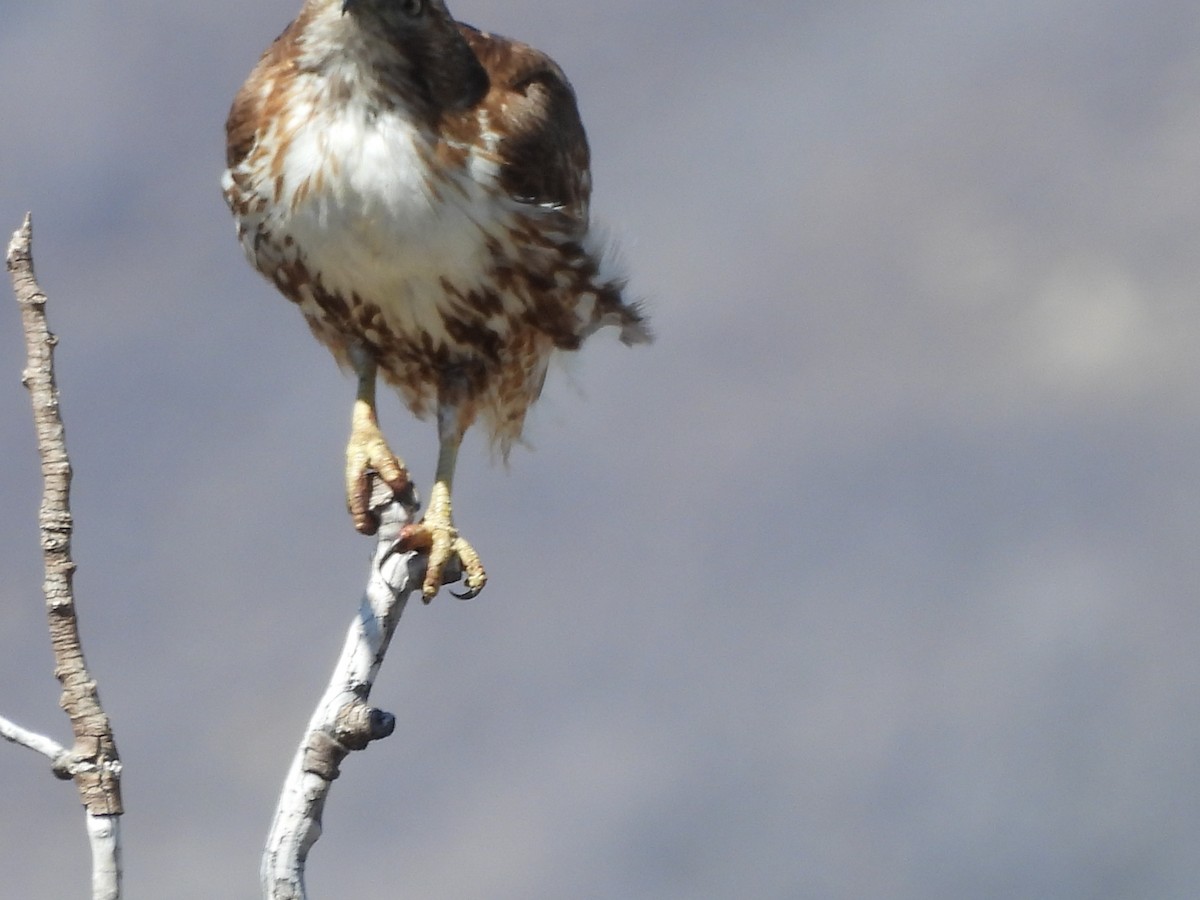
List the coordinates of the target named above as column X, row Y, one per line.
column 420, row 190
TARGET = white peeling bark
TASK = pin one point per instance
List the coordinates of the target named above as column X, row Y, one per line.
column 38, row 743
column 104, row 833
column 343, row 721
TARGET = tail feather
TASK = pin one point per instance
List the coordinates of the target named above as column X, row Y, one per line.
column 634, row 327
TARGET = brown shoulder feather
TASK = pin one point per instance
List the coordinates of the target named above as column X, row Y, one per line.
column 532, row 106
column 246, row 113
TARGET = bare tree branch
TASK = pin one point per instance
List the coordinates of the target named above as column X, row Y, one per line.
column 92, row 761
column 343, row 721
column 38, row 743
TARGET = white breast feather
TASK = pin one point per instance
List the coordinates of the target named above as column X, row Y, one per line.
column 376, row 227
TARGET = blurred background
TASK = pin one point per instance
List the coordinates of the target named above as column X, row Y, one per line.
column 874, row 577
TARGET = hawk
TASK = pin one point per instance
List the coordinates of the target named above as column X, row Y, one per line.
column 419, row 190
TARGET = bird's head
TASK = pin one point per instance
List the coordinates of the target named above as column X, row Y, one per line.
column 440, row 61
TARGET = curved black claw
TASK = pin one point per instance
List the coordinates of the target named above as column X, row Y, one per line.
column 449, row 558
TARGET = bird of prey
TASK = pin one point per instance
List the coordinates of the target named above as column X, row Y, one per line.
column 419, row 189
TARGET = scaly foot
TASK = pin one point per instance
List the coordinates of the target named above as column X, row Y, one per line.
column 368, row 452
column 436, row 535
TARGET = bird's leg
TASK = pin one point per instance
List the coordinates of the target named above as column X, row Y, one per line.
column 367, row 451
column 436, row 532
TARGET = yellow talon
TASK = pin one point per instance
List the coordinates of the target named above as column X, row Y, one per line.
column 436, row 534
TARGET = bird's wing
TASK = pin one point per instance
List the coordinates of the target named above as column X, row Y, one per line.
column 531, row 106
column 259, row 98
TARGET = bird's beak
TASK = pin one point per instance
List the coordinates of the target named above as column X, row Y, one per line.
column 347, row 5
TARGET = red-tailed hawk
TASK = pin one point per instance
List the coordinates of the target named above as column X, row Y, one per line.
column 419, row 189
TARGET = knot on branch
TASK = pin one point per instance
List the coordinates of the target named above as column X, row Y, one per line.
column 96, row 773
column 65, row 765
column 357, row 724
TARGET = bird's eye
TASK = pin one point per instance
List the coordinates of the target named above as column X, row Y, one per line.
column 412, row 8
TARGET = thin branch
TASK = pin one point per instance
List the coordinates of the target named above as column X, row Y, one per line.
column 104, row 834
column 38, row 743
column 93, row 761
column 343, row 721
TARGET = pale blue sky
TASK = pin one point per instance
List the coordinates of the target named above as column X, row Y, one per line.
column 874, row 578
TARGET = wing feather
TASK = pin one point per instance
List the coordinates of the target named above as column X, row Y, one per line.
column 260, row 97
column 532, row 106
